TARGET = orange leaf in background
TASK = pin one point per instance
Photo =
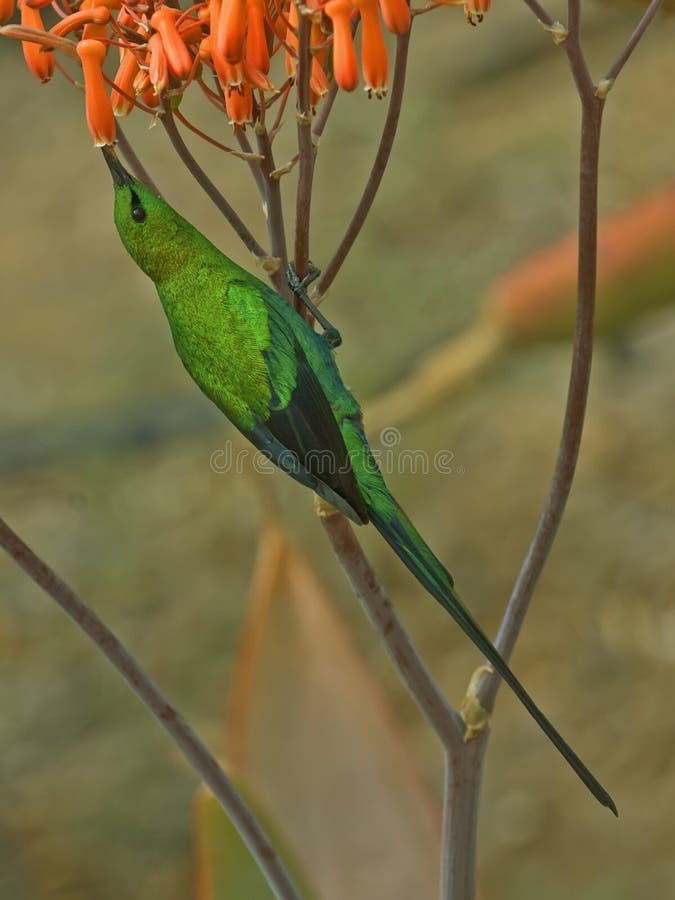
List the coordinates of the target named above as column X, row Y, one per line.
column 636, row 272
column 100, row 118
column 344, row 54
column 177, row 54
column 39, row 61
column 309, row 729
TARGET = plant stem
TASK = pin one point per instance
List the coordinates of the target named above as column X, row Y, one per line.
column 305, row 149
column 462, row 781
column 206, row 184
column 378, row 169
column 444, row 720
column 582, row 354
column 274, row 212
column 201, row 761
column 633, row 40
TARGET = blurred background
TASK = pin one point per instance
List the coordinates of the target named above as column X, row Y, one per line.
column 105, row 450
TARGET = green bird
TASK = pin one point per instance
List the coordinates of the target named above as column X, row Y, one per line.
column 276, row 380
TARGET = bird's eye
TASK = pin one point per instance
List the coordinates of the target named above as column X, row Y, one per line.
column 138, row 213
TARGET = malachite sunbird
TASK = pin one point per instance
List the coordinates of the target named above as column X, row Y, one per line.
column 276, row 380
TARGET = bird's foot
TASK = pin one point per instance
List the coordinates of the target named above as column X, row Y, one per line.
column 299, row 287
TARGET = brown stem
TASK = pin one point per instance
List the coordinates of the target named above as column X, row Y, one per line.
column 326, row 109
column 540, row 12
column 582, row 353
column 206, row 184
column 462, row 782
column 305, row 148
column 274, row 212
column 134, row 163
column 379, row 166
column 633, row 40
column 409, row 665
column 203, row 763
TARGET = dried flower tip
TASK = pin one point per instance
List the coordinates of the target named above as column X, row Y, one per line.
column 100, row 118
column 474, row 10
column 239, row 105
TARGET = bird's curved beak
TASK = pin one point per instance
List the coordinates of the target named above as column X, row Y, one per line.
column 119, row 174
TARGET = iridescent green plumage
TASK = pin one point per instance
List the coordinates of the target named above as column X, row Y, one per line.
column 276, row 380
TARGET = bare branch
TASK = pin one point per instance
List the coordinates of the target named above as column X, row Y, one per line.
column 305, row 148
column 582, row 353
column 274, row 212
column 540, row 13
column 206, row 184
column 444, row 720
column 633, row 41
column 136, row 166
column 203, row 763
column 378, row 169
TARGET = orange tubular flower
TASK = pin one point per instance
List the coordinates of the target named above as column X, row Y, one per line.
column 396, row 15
column 344, row 55
column 231, row 30
column 257, row 52
column 373, row 49
column 6, row 10
column 239, row 105
column 100, row 118
column 39, row 61
column 158, row 67
column 98, row 15
column 291, row 40
column 124, row 80
column 177, row 54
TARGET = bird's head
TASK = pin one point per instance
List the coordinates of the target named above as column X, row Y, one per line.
column 155, row 236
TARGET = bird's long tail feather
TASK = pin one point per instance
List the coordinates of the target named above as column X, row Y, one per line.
column 399, row 532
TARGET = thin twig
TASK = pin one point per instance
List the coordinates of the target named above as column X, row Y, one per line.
column 378, row 169
column 303, row 117
column 203, row 763
column 206, row 184
column 325, row 110
column 274, row 213
column 136, row 166
column 444, row 720
column 540, row 13
column 582, row 353
column 253, row 162
column 633, row 40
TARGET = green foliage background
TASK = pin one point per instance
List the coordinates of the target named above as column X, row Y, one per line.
column 104, row 467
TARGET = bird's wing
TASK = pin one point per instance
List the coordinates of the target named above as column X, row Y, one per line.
column 301, row 433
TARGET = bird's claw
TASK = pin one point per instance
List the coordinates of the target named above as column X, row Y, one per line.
column 299, row 287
